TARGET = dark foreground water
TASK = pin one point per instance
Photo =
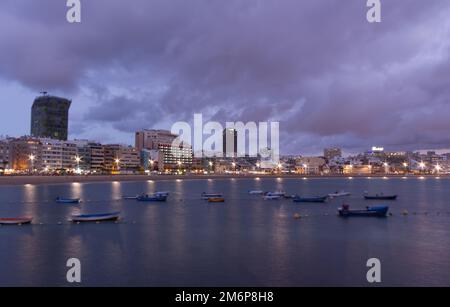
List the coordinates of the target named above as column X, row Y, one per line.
column 245, row 242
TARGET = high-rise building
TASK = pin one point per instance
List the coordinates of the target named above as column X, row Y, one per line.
column 151, row 139
column 171, row 157
column 330, row 153
column 50, row 117
column 230, row 143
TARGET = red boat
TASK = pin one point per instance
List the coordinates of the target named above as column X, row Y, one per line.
column 15, row 221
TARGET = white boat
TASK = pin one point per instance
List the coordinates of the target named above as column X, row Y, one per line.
column 256, row 192
column 276, row 193
column 272, row 197
column 339, row 194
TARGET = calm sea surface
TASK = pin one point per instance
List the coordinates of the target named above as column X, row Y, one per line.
column 245, row 242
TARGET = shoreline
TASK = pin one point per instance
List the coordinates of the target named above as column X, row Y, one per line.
column 44, row 180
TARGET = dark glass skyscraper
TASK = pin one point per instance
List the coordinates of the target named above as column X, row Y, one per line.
column 50, row 117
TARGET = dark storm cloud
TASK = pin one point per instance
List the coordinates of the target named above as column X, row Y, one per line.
column 318, row 67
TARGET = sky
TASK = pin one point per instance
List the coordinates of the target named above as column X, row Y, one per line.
column 316, row 66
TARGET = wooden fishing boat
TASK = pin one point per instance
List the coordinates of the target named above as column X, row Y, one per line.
column 67, row 200
column 113, row 216
column 377, row 211
column 298, row 199
column 16, row 221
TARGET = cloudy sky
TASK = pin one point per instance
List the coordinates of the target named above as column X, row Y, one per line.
column 317, row 66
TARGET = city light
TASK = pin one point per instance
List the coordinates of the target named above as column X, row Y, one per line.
column 422, row 165
column 32, row 158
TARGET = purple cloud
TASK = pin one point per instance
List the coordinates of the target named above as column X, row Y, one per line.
column 317, row 66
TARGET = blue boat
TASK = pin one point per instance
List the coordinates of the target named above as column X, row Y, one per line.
column 67, row 200
column 96, row 217
column 298, row 199
column 376, row 211
column 152, row 198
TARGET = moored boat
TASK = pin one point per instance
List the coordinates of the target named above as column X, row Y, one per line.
column 113, row 216
column 67, row 200
column 276, row 193
column 339, row 194
column 152, row 198
column 318, row 199
column 380, row 197
column 256, row 192
column 207, row 196
column 272, row 197
column 16, row 221
column 376, row 211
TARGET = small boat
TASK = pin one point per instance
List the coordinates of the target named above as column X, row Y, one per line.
column 216, row 200
column 67, row 200
column 16, row 221
column 96, row 217
column 339, row 194
column 256, row 192
column 298, row 199
column 377, row 211
column 152, row 198
column 380, row 197
column 272, row 197
column 276, row 193
column 207, row 196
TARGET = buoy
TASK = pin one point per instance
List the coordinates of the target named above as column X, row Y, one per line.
column 297, row 216
column 405, row 212
column 78, row 223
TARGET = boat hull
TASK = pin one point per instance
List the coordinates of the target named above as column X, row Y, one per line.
column 369, row 212
column 96, row 217
column 15, row 221
column 152, row 198
column 68, row 201
column 310, row 199
column 216, row 200
column 390, row 197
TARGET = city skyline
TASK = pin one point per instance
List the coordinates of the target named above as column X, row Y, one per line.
column 356, row 86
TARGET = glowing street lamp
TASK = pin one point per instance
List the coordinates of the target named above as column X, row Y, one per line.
column 438, row 168
column 422, row 166
column 117, row 161
column 32, row 158
column 78, row 159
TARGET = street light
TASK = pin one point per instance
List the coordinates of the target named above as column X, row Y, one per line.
column 422, row 166
column 32, row 158
column 117, row 161
column 78, row 159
